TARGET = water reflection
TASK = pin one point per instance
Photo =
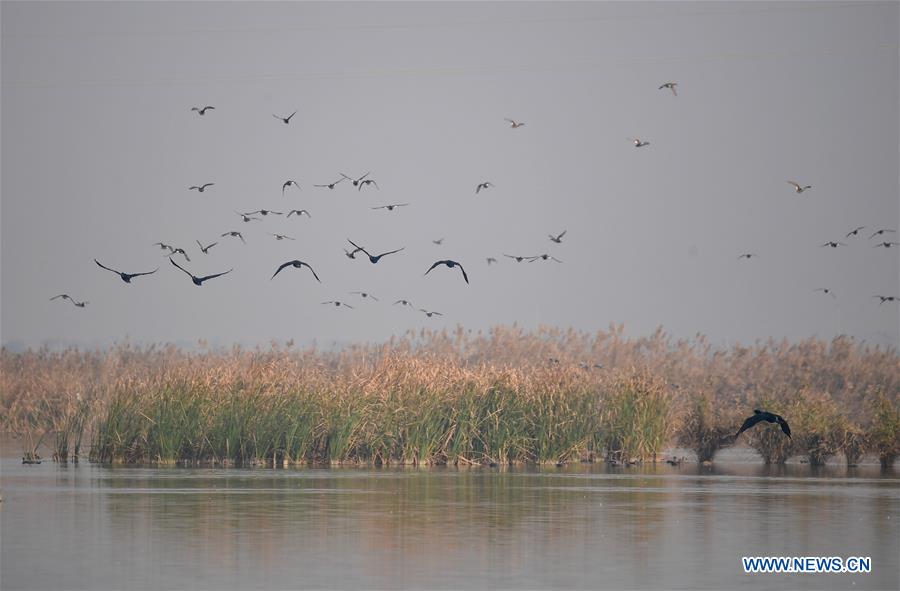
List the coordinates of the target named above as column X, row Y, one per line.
column 582, row 526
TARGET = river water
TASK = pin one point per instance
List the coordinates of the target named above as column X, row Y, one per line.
column 86, row 526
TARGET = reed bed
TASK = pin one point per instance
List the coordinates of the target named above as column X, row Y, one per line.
column 502, row 396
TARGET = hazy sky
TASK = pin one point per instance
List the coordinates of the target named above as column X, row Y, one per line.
column 99, row 147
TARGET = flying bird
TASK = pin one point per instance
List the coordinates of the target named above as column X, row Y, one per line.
column 181, row 252
column 297, row 265
column 285, row 119
column 450, row 264
column 265, row 212
column 880, row 232
column 517, row 258
column 66, row 296
column 833, row 244
column 638, row 143
column 202, row 111
column 331, row 185
column 352, row 180
column 376, row 258
column 281, row 236
column 557, row 239
column 205, row 249
column 671, row 86
column 826, row 290
column 747, row 255
column 289, row 183
column 198, row 281
column 515, row 124
column 235, row 235
column 351, row 255
column 887, row 244
column 126, row 277
column 491, row 260
column 484, row 185
column 364, row 294
column 299, row 212
column 363, row 183
column 201, row 188
column 886, row 299
column 438, row 241
column 798, row 188
column 391, row 207
column 403, row 303
column 759, row 416
column 430, row 314
column 246, row 217
column 338, row 304
column 544, row 257
column 854, row 232
column 163, row 246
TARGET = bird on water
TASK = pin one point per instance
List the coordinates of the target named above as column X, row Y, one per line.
column 760, row 416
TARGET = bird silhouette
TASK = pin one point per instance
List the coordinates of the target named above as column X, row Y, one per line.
column 363, row 183
column 557, row 239
column 391, row 207
column 351, row 254
column 202, row 111
column 372, row 259
column 235, row 235
column 164, row 246
column 544, row 257
column 198, row 281
column 747, row 255
column 246, row 217
column 281, row 236
column 297, row 265
column 514, row 124
column 484, row 185
column 638, row 143
column 798, row 188
column 671, row 86
column 886, row 244
column 518, row 259
column 491, row 260
column 205, row 249
column 289, row 183
column 200, row 188
column 66, row 296
column 759, row 416
column 832, row 244
column 126, row 277
column 854, row 232
column 880, row 232
column 338, row 304
column 403, row 303
column 352, row 180
column 430, row 314
column 364, row 294
column 332, row 185
column 826, row 291
column 299, row 212
column 265, row 212
column 285, row 119
column 438, row 242
column 450, row 264
column 886, row 299
column 181, row 252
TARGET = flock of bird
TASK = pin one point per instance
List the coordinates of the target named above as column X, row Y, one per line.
column 366, row 181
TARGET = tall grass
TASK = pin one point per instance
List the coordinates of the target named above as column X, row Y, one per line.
column 455, row 397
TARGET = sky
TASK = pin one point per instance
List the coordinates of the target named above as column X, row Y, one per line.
column 99, row 147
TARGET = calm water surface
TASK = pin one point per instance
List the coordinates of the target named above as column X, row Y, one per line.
column 585, row 526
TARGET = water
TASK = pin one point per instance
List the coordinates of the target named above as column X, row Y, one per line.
column 584, row 526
